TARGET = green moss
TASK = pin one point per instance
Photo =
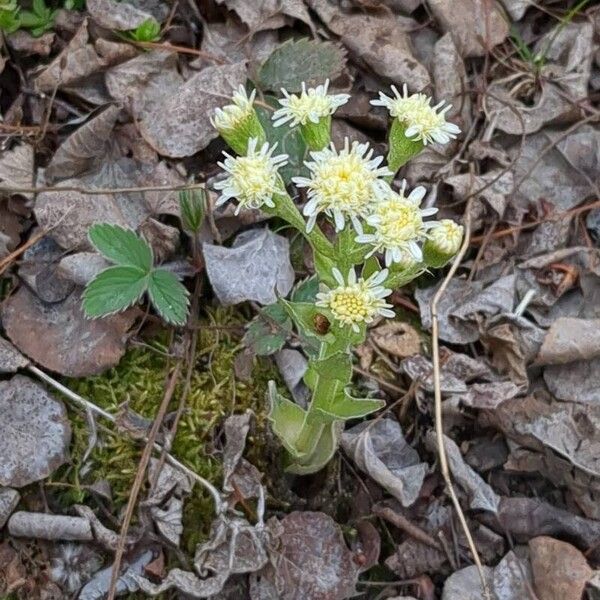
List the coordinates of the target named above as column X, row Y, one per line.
column 140, row 379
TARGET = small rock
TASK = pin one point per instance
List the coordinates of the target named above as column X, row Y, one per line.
column 560, row 571
column 9, row 499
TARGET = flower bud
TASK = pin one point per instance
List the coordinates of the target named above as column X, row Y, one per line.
column 443, row 243
column 238, row 123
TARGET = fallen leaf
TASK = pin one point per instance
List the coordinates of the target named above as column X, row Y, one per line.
column 49, row 527
column 81, row 267
column 567, row 53
column 85, row 147
column 512, row 579
column 562, row 175
column 311, row 560
column 464, row 305
column 380, row 40
column 526, row 518
column 301, row 61
column 97, row 587
column 578, row 381
column 119, row 16
column 77, row 61
column 257, row 267
column 34, row 432
column 16, row 167
column 560, row 571
column 481, row 495
column 476, row 26
column 465, row 584
column 379, row 449
column 72, row 565
column 267, row 14
column 60, row 338
column 569, row 340
column 396, row 338
column 181, row 126
column 292, row 365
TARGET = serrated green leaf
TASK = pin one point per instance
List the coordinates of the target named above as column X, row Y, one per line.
column 289, row 141
column 302, row 60
column 169, row 296
column 113, row 290
column 121, row 246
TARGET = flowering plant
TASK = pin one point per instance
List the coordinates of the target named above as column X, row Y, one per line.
column 382, row 240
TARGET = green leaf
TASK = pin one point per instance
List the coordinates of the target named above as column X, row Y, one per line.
column 192, row 205
column 148, row 31
column 322, row 453
column 287, row 418
column 9, row 21
column 113, row 290
column 306, row 291
column 302, row 60
column 289, row 141
column 269, row 330
column 121, row 246
column 168, row 296
column 305, row 316
column 345, row 407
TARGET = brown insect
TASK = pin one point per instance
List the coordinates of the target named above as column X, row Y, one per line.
column 321, row 323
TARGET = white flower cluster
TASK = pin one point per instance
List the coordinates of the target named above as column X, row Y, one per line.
column 347, row 184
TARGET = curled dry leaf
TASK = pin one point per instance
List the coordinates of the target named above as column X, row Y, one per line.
column 568, row 51
column 119, row 16
column 77, row 60
column 465, row 305
column 257, row 267
column 481, row 495
column 34, row 432
column 562, row 170
column 475, row 26
column 84, row 148
column 379, row 449
column 49, row 527
column 180, row 126
column 60, row 338
column 380, row 40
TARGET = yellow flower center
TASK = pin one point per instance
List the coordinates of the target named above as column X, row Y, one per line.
column 252, row 175
column 345, row 183
column 305, row 105
column 398, row 221
column 350, row 304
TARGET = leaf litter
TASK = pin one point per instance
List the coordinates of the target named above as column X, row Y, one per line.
column 85, row 109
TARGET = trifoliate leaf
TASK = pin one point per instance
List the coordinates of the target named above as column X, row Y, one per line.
column 298, row 61
column 113, row 290
column 121, row 246
column 169, row 297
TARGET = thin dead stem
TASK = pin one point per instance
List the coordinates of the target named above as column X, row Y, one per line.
column 439, row 431
column 99, row 191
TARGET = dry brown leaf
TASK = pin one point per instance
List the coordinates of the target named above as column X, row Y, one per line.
column 396, row 338
column 476, row 25
column 119, row 16
column 16, row 168
column 568, row 340
column 78, row 60
column 84, row 148
column 180, row 126
column 268, row 14
column 380, row 40
column 60, row 338
column 22, row 41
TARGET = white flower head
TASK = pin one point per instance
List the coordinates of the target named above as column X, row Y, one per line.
column 355, row 301
column 423, row 121
column 311, row 105
column 447, row 236
column 398, row 226
column 252, row 179
column 342, row 184
column 231, row 116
